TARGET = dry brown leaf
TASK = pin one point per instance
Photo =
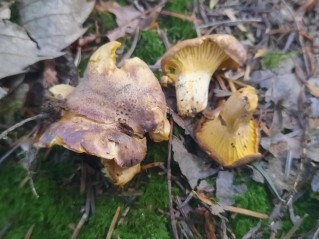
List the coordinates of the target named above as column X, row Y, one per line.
column 54, row 24
column 192, row 167
column 49, row 74
column 128, row 18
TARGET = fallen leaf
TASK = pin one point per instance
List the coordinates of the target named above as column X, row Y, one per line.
column 54, row 24
column 192, row 167
column 128, row 18
column 279, row 144
column 17, row 52
column 226, row 190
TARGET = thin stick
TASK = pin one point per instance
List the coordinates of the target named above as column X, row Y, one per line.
column 178, row 15
column 4, row 133
column 169, row 182
column 316, row 234
column 245, row 212
column 129, row 53
column 29, row 232
column 113, row 223
column 230, row 22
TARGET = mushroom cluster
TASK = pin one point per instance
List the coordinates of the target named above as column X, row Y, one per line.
column 190, row 64
column 109, row 112
column 231, row 137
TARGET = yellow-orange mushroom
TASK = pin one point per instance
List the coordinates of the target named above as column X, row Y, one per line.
column 232, row 138
column 190, row 64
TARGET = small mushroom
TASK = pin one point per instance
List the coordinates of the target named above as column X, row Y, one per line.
column 190, row 64
column 232, row 138
column 109, row 112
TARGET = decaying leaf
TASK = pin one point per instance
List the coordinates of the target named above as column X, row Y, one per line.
column 128, row 18
column 54, row 24
column 18, row 51
column 226, row 190
column 192, row 167
column 282, row 86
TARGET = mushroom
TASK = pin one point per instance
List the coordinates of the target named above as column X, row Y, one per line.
column 109, row 112
column 232, row 138
column 190, row 64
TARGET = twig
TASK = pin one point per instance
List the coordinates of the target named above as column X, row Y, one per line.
column 113, row 223
column 315, row 236
column 129, row 53
column 85, row 214
column 153, row 165
column 300, row 37
column 294, row 228
column 230, row 22
column 245, row 212
column 29, row 232
column 178, row 15
column 33, row 187
column 79, row 225
column 169, row 181
column 4, row 133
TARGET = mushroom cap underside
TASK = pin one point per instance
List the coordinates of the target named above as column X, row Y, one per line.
column 107, row 141
column 206, row 53
column 130, row 95
column 228, row 148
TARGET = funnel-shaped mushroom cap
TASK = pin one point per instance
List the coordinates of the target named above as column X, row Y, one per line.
column 110, row 111
column 190, row 64
column 232, row 138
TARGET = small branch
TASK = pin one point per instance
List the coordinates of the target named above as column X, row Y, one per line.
column 229, row 22
column 4, row 133
column 245, row 212
column 178, row 15
column 129, row 53
column 29, row 232
column 113, row 223
column 295, row 227
column 169, row 182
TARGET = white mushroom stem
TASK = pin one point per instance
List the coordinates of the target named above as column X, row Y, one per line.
column 192, row 92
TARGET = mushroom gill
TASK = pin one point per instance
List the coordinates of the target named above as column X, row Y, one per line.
column 190, row 64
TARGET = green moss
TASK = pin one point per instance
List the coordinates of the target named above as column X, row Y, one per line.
column 149, row 47
column 105, row 20
column 256, row 199
column 144, row 219
column 60, row 204
column 176, row 28
column 51, row 213
column 273, row 59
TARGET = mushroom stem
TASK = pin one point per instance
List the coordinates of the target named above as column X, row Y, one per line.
column 192, row 92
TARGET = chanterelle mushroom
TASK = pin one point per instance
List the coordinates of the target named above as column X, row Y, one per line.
column 110, row 111
column 190, row 64
column 232, row 138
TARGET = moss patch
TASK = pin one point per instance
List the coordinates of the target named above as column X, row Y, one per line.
column 306, row 205
column 273, row 59
column 60, row 203
column 176, row 28
column 56, row 208
column 255, row 199
column 149, row 47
